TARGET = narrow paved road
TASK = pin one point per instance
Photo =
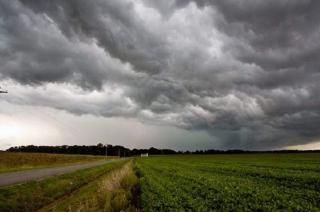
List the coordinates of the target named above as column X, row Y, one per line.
column 22, row 176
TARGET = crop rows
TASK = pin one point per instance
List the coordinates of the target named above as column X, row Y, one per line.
column 264, row 182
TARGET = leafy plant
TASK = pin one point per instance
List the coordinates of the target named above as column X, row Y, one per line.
column 253, row 182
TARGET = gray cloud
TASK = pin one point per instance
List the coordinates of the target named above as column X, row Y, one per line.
column 113, row 24
column 246, row 72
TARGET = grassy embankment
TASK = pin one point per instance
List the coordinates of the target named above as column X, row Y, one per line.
column 253, row 182
column 106, row 187
column 10, row 161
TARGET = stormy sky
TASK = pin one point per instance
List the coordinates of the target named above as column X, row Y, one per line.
column 182, row 74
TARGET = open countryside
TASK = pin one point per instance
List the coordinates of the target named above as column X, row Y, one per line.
column 159, row 106
column 222, row 182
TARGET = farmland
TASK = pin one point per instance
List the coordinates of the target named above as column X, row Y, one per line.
column 23, row 161
column 249, row 182
column 226, row 182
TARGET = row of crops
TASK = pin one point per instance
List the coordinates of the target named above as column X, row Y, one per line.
column 265, row 182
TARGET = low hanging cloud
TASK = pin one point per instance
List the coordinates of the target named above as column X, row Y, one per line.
column 247, row 72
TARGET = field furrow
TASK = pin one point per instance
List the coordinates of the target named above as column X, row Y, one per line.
column 199, row 183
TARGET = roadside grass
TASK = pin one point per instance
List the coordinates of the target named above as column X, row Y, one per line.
column 114, row 191
column 34, row 195
column 16, row 161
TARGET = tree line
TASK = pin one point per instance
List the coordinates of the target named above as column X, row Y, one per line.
column 122, row 151
column 98, row 149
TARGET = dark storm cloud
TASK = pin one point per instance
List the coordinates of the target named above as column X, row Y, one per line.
column 113, row 24
column 245, row 71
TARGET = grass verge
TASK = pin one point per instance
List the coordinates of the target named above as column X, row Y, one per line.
column 33, row 195
column 115, row 191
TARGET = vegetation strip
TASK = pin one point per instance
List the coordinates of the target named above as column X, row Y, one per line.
column 114, row 191
column 33, row 195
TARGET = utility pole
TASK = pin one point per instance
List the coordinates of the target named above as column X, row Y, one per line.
column 106, row 151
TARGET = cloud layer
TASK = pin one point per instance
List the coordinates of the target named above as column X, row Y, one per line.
column 247, row 72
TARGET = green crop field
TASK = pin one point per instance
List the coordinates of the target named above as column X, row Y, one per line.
column 251, row 182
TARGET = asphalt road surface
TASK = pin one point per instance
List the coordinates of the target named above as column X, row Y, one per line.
column 22, row 176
